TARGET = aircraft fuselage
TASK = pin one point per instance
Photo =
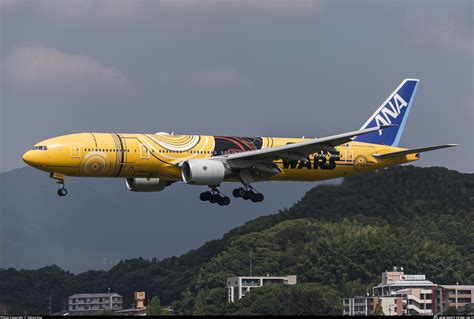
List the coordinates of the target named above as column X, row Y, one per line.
column 158, row 155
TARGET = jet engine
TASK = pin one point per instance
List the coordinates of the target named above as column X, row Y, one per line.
column 146, row 184
column 204, row 172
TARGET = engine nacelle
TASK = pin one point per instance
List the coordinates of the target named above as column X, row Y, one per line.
column 142, row 184
column 203, row 172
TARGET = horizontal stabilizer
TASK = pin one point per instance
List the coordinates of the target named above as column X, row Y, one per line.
column 412, row 151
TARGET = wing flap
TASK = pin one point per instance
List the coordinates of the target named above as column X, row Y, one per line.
column 412, row 151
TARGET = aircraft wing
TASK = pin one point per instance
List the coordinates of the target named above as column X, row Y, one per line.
column 412, row 151
column 299, row 150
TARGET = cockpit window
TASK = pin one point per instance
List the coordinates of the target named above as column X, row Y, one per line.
column 40, row 148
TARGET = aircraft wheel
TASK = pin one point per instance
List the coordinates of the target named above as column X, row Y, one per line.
column 205, row 196
column 248, row 195
column 62, row 192
column 224, row 201
column 236, row 192
column 257, row 198
column 214, row 198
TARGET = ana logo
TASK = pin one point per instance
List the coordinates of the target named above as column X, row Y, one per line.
column 390, row 111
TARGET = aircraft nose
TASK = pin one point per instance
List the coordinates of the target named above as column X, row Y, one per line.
column 28, row 157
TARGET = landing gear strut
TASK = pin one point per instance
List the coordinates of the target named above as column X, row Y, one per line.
column 248, row 192
column 62, row 191
column 214, row 196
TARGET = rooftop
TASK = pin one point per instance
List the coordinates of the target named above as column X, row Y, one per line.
column 467, row 287
column 408, row 283
column 258, row 277
column 98, row 295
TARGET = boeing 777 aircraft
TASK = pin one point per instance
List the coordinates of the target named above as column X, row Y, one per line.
column 152, row 162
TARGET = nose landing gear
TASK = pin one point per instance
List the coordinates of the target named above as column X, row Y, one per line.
column 248, row 193
column 214, row 196
column 62, row 191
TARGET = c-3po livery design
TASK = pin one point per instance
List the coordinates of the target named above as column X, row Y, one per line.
column 152, row 162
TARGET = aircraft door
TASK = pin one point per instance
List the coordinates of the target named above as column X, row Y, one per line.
column 348, row 156
column 75, row 150
column 144, row 152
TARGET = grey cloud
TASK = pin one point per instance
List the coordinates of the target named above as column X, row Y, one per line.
column 40, row 68
column 118, row 12
column 220, row 77
column 448, row 29
column 229, row 67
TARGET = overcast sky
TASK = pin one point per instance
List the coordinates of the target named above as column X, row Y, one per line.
column 252, row 68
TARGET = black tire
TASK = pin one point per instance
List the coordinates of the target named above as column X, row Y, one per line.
column 205, row 196
column 241, row 192
column 225, row 201
column 236, row 192
column 248, row 195
column 62, row 192
column 258, row 198
column 214, row 198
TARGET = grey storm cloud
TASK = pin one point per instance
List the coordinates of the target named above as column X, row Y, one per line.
column 237, row 67
column 222, row 67
column 40, row 68
column 145, row 11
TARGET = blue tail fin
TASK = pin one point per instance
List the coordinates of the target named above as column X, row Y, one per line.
column 394, row 110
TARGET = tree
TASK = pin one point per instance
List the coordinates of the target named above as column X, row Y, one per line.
column 106, row 312
column 451, row 311
column 154, row 308
column 378, row 310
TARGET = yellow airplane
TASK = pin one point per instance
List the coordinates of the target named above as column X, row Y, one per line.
column 151, row 162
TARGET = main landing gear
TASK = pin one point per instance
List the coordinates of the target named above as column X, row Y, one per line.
column 62, row 191
column 214, row 196
column 248, row 192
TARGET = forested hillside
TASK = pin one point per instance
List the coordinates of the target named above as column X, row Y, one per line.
column 336, row 239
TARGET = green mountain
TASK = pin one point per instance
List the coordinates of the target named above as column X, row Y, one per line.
column 337, row 239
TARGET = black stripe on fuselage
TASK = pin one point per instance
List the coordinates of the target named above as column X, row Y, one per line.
column 117, row 164
column 123, row 156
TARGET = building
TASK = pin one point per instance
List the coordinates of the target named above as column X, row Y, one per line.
column 367, row 306
column 417, row 293
column 358, row 306
column 455, row 296
column 402, row 294
column 95, row 302
column 393, row 281
column 238, row 287
column 138, row 309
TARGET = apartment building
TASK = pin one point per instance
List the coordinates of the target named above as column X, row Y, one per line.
column 238, row 287
column 403, row 294
column 95, row 302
